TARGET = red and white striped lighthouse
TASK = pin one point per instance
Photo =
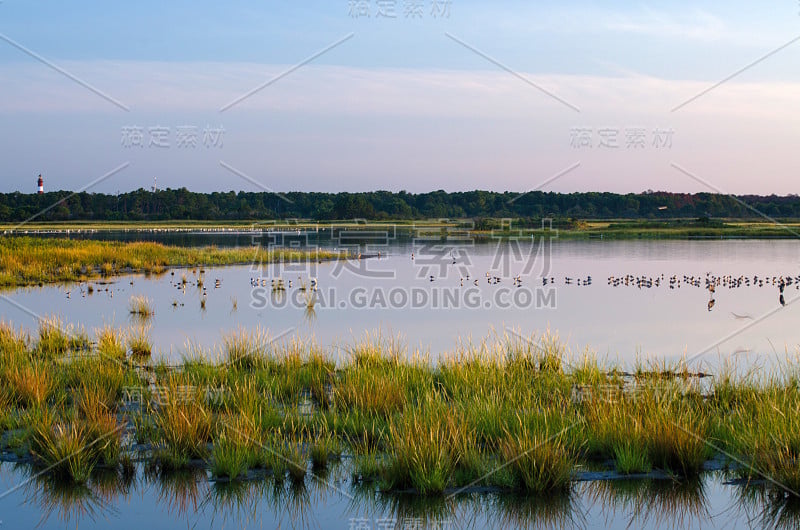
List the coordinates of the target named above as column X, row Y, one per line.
column 41, row 185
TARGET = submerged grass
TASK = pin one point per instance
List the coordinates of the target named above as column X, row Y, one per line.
column 141, row 306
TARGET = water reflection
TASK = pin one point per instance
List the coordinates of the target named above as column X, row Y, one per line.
column 652, row 503
column 471, row 510
column 397, row 510
column 235, row 502
column 69, row 502
column 189, row 494
column 329, row 500
column 525, row 511
column 180, row 491
column 767, row 506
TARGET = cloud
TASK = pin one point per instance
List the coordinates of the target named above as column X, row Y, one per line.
column 163, row 87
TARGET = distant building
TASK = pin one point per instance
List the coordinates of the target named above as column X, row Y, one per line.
column 41, row 185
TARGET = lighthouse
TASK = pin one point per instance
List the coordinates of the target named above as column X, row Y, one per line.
column 41, row 185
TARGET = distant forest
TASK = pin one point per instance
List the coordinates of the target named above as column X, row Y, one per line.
column 182, row 204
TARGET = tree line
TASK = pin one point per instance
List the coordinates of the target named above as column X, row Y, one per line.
column 182, row 204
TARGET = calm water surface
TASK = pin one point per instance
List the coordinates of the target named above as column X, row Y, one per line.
column 429, row 302
column 190, row 500
column 434, row 304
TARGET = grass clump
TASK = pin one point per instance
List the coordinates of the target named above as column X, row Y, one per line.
column 762, row 430
column 236, row 449
column 66, row 450
column 244, row 349
column 538, row 460
column 31, row 384
column 12, row 341
column 184, row 428
column 139, row 342
column 140, row 306
column 421, row 453
column 631, row 458
column 323, row 449
column 110, row 343
column 658, row 426
column 96, row 413
column 53, row 338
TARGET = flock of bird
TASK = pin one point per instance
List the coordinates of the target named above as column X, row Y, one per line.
column 278, row 284
column 199, row 282
column 709, row 282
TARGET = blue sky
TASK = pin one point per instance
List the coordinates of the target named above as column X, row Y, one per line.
column 488, row 95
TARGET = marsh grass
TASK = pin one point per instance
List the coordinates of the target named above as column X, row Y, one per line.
column 12, row 341
column 31, row 384
column 140, row 306
column 79, row 341
column 294, row 456
column 511, row 414
column 246, row 350
column 65, row 449
column 110, row 343
column 659, row 425
column 31, row 260
column 760, row 425
column 371, row 390
column 236, row 449
column 538, row 460
column 53, row 337
column 324, row 448
column 100, row 424
column 631, row 458
column 184, row 426
column 422, row 453
column 139, row 342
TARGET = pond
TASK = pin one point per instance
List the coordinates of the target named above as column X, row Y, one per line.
column 626, row 301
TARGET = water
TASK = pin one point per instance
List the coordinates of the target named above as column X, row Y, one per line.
column 394, row 295
column 190, row 500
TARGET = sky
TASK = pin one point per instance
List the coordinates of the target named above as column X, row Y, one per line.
column 416, row 95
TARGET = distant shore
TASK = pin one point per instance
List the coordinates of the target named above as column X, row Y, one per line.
column 678, row 228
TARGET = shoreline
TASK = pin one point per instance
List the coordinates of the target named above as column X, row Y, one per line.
column 603, row 229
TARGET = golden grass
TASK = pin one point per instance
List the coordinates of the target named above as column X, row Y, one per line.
column 410, row 424
column 110, row 343
column 141, row 306
column 29, row 260
column 31, row 384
